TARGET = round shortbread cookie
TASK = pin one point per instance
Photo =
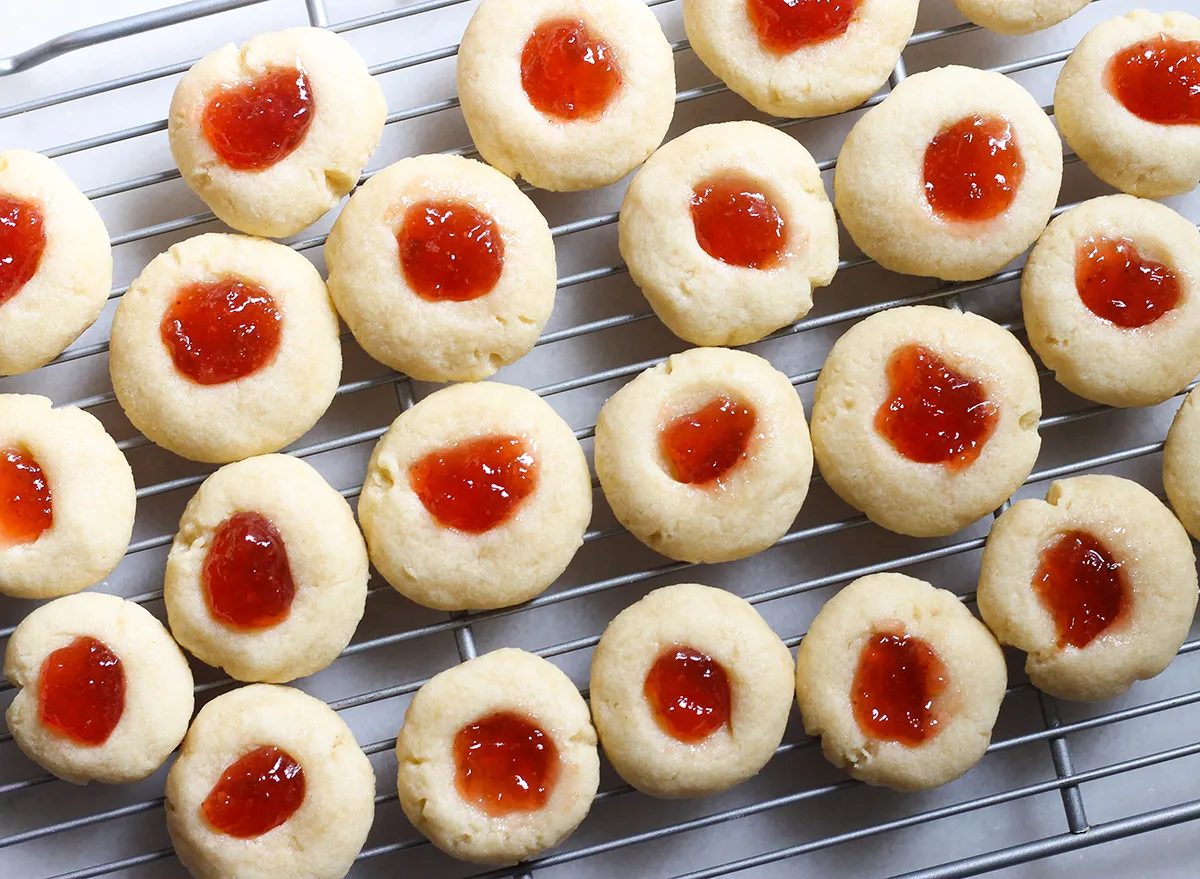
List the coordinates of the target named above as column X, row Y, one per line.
column 91, row 498
column 321, row 838
column 754, row 663
column 751, row 501
column 566, row 154
column 441, row 339
column 1092, row 356
column 506, row 682
column 346, row 117
column 1146, row 548
column 959, row 719
column 699, row 296
column 256, row 412
column 814, row 79
column 880, row 186
column 315, row 542
column 46, row 305
column 868, row 470
column 154, row 684
column 1018, row 16
column 1181, row 464
column 534, row 524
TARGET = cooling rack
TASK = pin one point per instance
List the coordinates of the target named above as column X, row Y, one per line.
column 1060, row 781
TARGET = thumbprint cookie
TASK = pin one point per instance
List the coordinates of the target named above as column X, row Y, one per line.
column 1018, row 16
column 1181, row 464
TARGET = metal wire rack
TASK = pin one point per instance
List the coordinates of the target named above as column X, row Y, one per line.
column 1036, row 719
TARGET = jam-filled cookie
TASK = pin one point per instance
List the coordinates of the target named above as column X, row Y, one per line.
column 706, row 457
column 267, row 577
column 901, row 683
column 269, row 782
column 1097, row 584
column 1128, row 102
column 800, row 59
column 1181, row 464
column 926, row 418
column 477, row 497
column 67, row 499
column 55, row 262
column 442, row 268
column 569, row 94
column 103, row 693
column 498, row 758
column 952, row 176
column 727, row 229
column 1018, row 16
column 225, row 347
column 690, row 691
column 273, row 133
column 1111, row 297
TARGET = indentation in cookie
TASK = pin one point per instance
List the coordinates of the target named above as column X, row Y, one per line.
column 737, row 223
column 1083, row 586
column 82, row 691
column 896, row 688
column 255, row 124
column 1121, row 286
column 256, row 793
column 1158, row 80
column 22, row 240
column 689, row 694
column 246, row 577
column 973, row 169
column 476, row 484
column 26, row 507
column 568, row 73
column 702, row 446
column 449, row 250
column 504, row 763
column 784, row 26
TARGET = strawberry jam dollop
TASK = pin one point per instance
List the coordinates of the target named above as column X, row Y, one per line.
column 896, row 688
column 477, row 484
column 1119, row 285
column 504, row 764
column 253, row 125
column 449, row 250
column 22, row 241
column 567, row 73
column 82, row 691
column 246, row 576
column 1158, row 80
column 26, row 508
column 256, row 793
column 737, row 223
column 973, row 169
column 688, row 693
column 704, row 445
column 1082, row 586
column 783, row 26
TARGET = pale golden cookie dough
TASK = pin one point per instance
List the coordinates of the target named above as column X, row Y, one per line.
column 748, row 508
column 158, row 688
column 516, row 138
column 1139, row 157
column 1181, row 464
column 348, row 117
column 92, row 499
column 879, row 182
column 254, row 415
column 701, row 299
column 1091, row 356
column 1018, row 16
column 447, row 340
column 828, row 660
column 326, row 556
column 323, row 836
column 1155, row 555
column 506, row 680
column 828, row 77
column 448, row 569
column 924, row 500
column 71, row 284
column 761, row 682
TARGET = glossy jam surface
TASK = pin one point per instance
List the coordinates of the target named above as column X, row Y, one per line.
column 449, row 250
column 973, row 169
column 22, row 241
column 704, row 445
column 737, row 223
column 689, row 694
column 477, row 484
column 246, row 577
column 26, row 508
column 896, row 688
column 1118, row 284
column 1082, row 586
column 221, row 331
column 82, row 691
column 1158, row 80
column 784, row 26
column 505, row 764
column 567, row 74
column 255, row 793
column 934, row 414
column 253, row 125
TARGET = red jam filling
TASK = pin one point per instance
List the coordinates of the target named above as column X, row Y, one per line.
column 82, row 691
column 246, row 577
column 896, row 687
column 784, row 26
column 505, row 764
column 1117, row 284
column 738, row 224
column 689, row 694
column 934, row 414
column 1158, row 80
column 450, row 250
column 704, row 445
column 566, row 73
column 221, row 331
column 1081, row 585
column 25, row 505
column 477, row 484
column 253, row 125
column 22, row 240
column 973, row 169
column 255, row 793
